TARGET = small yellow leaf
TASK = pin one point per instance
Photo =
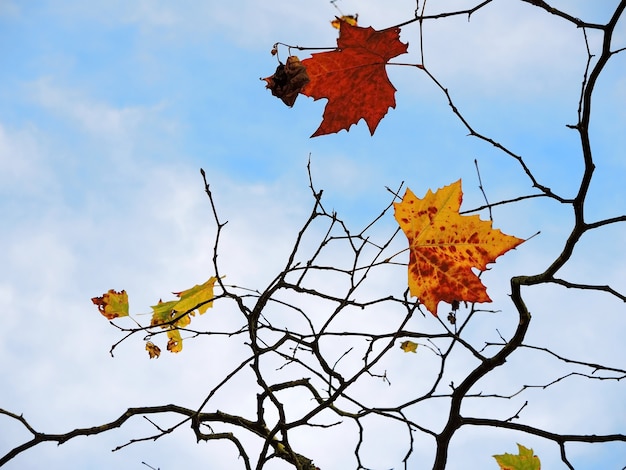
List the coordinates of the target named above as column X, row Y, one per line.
column 175, row 342
column 525, row 460
column 409, row 346
column 112, row 304
column 350, row 19
column 153, row 350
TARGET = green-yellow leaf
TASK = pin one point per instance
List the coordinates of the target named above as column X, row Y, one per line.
column 195, row 296
column 112, row 304
column 171, row 315
column 164, row 312
column 525, row 460
column 176, row 314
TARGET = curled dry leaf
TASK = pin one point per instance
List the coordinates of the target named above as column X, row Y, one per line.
column 153, row 350
column 288, row 80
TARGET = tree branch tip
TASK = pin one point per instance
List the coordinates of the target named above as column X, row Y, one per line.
column 538, row 232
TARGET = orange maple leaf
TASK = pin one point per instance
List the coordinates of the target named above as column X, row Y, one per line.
column 445, row 246
column 353, row 77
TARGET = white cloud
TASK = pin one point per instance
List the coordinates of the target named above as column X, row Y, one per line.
column 24, row 165
column 97, row 118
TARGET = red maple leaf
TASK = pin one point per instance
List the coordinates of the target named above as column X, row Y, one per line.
column 353, row 77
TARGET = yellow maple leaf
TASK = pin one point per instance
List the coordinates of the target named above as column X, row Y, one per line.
column 409, row 346
column 525, row 460
column 112, row 304
column 444, row 246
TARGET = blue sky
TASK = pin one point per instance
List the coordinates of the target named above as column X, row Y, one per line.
column 107, row 112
